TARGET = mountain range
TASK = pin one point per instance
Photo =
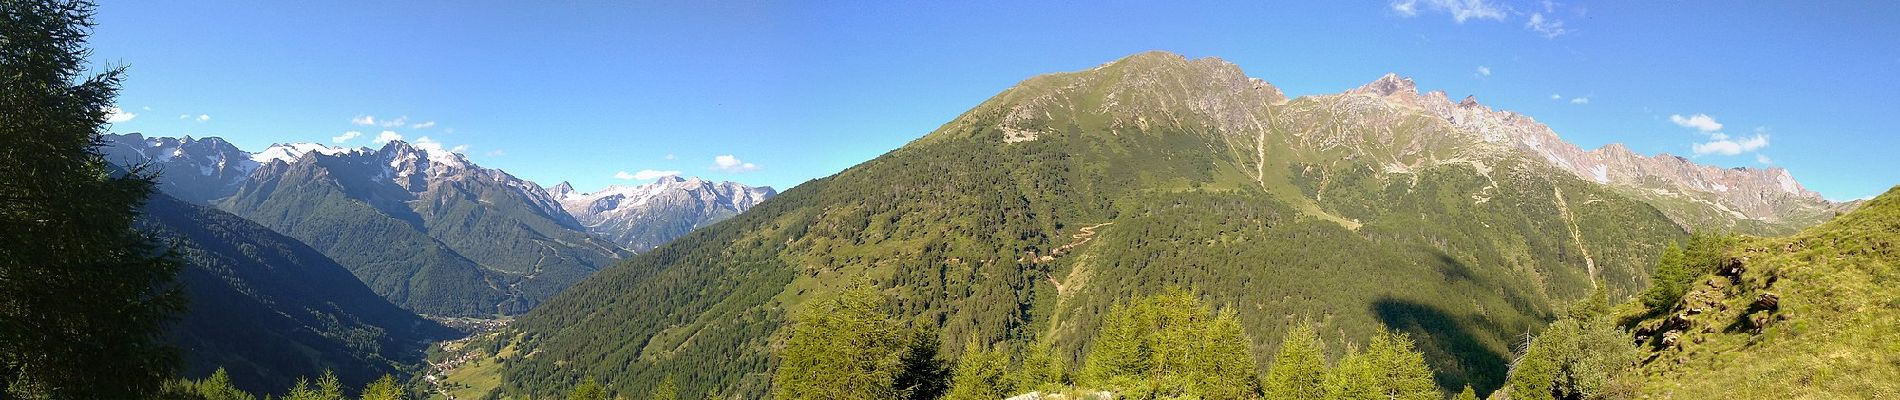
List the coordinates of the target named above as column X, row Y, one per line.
column 423, row 226
column 1025, row 218
column 646, row 216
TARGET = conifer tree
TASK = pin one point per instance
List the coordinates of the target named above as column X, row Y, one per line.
column 1118, row 353
column 1401, row 368
column 1171, row 345
column 384, row 388
column 589, row 389
column 1299, row 371
column 841, row 348
column 667, row 390
column 1041, row 370
column 925, row 375
column 1467, row 394
column 67, row 224
column 982, row 374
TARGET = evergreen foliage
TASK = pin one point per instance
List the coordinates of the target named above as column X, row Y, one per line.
column 842, row 348
column 67, row 224
column 982, row 374
column 1680, row 266
column 1576, row 357
column 1299, row 371
column 589, row 389
column 1041, row 369
column 667, row 390
column 384, row 388
column 982, row 239
column 1172, row 345
column 215, row 387
column 302, row 313
column 925, row 375
column 1388, row 368
column 1466, row 394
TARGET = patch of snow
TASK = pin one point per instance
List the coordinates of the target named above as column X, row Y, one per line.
column 1602, row 173
column 290, row 152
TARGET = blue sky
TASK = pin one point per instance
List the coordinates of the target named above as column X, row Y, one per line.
column 581, row 91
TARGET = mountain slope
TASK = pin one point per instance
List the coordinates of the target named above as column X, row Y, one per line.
column 646, row 216
column 1813, row 315
column 270, row 309
column 1748, row 200
column 425, row 228
column 1352, row 211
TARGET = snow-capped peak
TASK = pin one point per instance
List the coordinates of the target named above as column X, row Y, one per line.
column 290, row 152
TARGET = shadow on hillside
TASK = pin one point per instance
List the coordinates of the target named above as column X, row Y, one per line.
column 1452, row 269
column 1454, row 346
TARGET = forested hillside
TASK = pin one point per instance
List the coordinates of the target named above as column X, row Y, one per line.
column 1026, row 218
column 271, row 310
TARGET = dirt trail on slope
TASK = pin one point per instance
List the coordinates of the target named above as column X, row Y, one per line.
column 1082, row 235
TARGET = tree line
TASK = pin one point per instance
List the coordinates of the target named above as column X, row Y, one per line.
column 1169, row 345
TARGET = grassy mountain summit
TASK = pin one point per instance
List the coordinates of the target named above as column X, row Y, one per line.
column 1813, row 315
column 1027, row 217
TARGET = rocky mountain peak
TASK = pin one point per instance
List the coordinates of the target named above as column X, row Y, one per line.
column 643, row 216
column 1388, row 85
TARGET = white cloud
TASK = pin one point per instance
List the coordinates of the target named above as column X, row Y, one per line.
column 346, row 136
column 425, row 125
column 399, row 121
column 198, row 118
column 115, row 115
column 430, row 145
column 1554, row 96
column 1724, row 145
column 1700, row 122
column 1549, row 27
column 1484, row 71
column 669, row 156
column 1580, row 100
column 729, row 163
column 1460, row 10
column 1763, row 158
column 386, row 137
column 1406, row 8
column 644, row 175
column 365, row 120
column 497, row 153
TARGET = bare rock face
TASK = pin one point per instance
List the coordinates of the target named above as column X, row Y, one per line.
column 195, row 170
column 646, row 216
column 1698, row 196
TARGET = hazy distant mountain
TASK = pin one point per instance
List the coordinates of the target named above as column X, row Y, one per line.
column 1028, row 216
column 422, row 226
column 269, row 309
column 645, row 216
